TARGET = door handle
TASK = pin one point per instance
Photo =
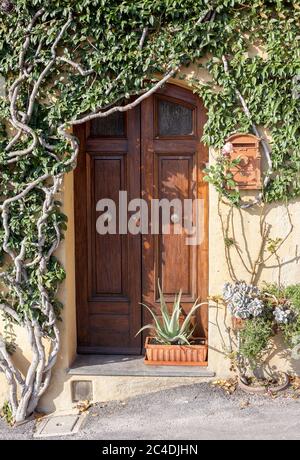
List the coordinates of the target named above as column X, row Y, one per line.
column 175, row 218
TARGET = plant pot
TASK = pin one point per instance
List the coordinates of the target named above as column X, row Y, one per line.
column 261, row 389
column 237, row 324
column 176, row 355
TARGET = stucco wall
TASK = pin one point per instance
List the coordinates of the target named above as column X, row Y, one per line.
column 283, row 222
column 246, row 233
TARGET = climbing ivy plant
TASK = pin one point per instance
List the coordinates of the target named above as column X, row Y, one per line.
column 260, row 88
column 65, row 63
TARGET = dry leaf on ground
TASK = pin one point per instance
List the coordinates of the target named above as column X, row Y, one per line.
column 39, row 415
column 229, row 386
column 83, row 406
column 295, row 382
column 244, row 405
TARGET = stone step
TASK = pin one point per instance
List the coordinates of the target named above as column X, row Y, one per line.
column 121, row 365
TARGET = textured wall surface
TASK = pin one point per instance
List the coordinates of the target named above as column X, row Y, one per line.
column 244, row 228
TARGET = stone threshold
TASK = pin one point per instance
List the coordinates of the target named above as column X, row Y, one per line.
column 121, row 365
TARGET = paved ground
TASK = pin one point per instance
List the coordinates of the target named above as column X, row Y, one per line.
column 193, row 412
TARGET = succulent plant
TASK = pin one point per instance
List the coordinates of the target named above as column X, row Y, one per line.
column 243, row 300
column 284, row 314
column 167, row 327
column 228, row 291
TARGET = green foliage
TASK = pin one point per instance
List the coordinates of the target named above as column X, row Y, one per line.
column 281, row 313
column 168, row 327
column 273, row 245
column 9, row 335
column 293, row 294
column 288, row 295
column 266, row 81
column 104, row 36
column 221, row 177
column 6, row 413
column 291, row 332
column 255, row 338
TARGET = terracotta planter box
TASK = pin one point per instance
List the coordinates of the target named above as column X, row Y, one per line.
column 176, row 355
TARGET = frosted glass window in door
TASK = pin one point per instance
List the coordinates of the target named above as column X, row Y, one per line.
column 174, row 119
column 111, row 126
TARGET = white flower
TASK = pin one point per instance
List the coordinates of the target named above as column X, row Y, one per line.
column 227, row 149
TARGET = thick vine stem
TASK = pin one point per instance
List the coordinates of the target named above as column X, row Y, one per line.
column 38, row 375
column 125, row 108
column 143, row 37
column 11, row 312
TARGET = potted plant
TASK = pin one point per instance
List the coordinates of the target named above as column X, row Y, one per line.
column 172, row 342
column 258, row 315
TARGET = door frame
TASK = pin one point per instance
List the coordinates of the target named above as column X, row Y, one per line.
column 80, row 200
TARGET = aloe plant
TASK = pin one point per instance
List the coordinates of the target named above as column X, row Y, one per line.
column 168, row 328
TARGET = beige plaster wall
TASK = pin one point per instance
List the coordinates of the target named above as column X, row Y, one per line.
column 246, row 233
column 283, row 222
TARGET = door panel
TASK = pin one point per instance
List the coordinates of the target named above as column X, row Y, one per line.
column 173, row 160
column 175, row 180
column 153, row 151
column 108, row 293
column 108, row 251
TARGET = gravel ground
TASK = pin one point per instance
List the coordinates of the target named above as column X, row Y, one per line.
column 193, row 412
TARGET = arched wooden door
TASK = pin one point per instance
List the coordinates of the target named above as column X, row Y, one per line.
column 151, row 152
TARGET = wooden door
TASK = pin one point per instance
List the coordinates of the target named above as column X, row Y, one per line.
column 173, row 160
column 108, row 267
column 153, row 151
